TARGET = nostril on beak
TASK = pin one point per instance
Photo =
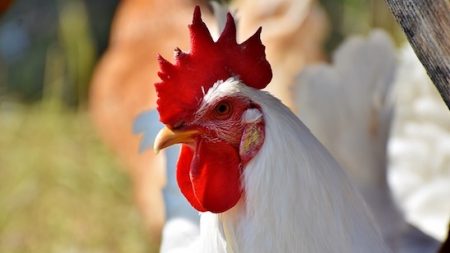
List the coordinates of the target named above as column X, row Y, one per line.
column 178, row 125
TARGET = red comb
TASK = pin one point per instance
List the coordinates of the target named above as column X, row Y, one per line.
column 182, row 84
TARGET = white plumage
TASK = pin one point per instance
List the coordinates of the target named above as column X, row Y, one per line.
column 297, row 198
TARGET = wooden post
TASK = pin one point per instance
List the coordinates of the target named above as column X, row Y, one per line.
column 426, row 24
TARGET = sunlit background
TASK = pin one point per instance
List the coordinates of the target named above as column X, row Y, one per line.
column 61, row 188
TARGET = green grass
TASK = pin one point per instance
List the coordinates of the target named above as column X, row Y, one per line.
column 61, row 190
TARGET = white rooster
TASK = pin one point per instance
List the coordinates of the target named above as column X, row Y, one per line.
column 261, row 180
column 358, row 86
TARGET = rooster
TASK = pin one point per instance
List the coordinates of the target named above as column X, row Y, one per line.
column 261, row 180
column 120, row 92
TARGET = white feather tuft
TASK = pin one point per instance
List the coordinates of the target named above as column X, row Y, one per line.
column 251, row 116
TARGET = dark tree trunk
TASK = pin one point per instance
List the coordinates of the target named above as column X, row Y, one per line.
column 445, row 247
column 426, row 24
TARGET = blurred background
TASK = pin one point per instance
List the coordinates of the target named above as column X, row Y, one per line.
column 61, row 188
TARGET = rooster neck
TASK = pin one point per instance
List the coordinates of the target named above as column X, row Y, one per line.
column 297, row 198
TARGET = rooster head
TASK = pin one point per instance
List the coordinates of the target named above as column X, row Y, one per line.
column 220, row 132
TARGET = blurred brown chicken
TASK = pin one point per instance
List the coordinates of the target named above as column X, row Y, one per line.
column 4, row 5
column 122, row 86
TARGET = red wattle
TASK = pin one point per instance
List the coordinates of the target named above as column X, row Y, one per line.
column 183, row 178
column 210, row 176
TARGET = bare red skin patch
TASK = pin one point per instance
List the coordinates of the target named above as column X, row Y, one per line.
column 210, row 176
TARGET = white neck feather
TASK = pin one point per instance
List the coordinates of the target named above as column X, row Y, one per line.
column 297, row 198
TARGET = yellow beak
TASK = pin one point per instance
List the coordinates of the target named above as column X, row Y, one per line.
column 167, row 137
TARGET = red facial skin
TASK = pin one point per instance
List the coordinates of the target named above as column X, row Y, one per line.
column 209, row 171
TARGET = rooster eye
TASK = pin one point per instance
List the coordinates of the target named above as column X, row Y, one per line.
column 222, row 110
